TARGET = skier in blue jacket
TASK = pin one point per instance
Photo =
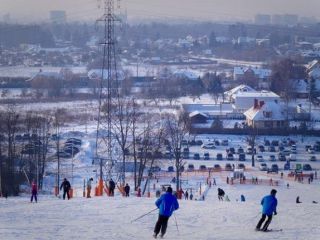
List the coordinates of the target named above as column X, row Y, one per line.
column 269, row 207
column 167, row 203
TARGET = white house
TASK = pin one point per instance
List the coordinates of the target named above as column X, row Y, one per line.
column 244, row 100
column 240, row 72
column 230, row 95
column 266, row 115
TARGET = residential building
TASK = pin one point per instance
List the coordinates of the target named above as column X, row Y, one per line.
column 244, row 100
column 266, row 115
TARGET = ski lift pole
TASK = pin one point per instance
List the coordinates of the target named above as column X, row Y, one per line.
column 144, row 215
column 176, row 222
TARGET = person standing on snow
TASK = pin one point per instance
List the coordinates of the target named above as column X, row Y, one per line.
column 127, row 190
column 66, row 188
column 89, row 186
column 112, row 186
column 243, row 199
column 220, row 194
column 167, row 204
column 34, row 192
column 269, row 206
column 186, row 195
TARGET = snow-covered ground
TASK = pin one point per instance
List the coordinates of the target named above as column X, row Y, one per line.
column 110, row 218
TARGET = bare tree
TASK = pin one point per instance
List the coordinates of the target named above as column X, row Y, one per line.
column 176, row 128
column 122, row 121
column 9, row 125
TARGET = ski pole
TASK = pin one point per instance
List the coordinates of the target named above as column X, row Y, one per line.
column 144, row 215
column 175, row 219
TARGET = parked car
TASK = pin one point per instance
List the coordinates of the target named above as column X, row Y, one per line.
column 216, row 142
column 228, row 167
column 272, row 158
column 196, row 156
column 170, row 169
column 230, row 157
column 224, row 143
column 307, row 147
column 260, row 158
column 155, row 169
column 240, row 150
column 307, row 167
column 249, row 150
column 219, row 156
column 313, row 158
column 190, row 167
column 261, row 148
column 206, row 156
column 242, row 157
column 274, row 169
column 263, row 167
column 208, row 146
column 199, row 142
column 203, row 167
column 272, row 149
column 316, row 148
column 241, row 166
column 311, row 150
column 275, row 143
column 267, row 143
column 231, row 150
column 181, row 168
column 217, row 167
column 282, row 157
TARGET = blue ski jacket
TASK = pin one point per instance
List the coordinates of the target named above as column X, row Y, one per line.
column 167, row 203
column 269, row 204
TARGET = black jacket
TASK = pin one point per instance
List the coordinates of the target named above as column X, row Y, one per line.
column 65, row 185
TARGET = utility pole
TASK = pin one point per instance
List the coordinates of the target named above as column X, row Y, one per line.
column 108, row 87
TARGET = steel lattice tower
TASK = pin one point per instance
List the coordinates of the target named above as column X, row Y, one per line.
column 107, row 91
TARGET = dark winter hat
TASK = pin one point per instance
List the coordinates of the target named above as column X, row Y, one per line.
column 169, row 189
column 273, row 192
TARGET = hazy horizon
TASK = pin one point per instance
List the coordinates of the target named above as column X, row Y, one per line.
column 215, row 10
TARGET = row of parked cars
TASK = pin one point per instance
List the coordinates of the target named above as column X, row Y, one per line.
column 275, row 168
column 71, row 148
column 216, row 167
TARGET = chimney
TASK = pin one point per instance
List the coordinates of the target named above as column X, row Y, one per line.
column 261, row 104
column 255, row 106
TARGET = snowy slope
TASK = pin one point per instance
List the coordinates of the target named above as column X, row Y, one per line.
column 110, row 218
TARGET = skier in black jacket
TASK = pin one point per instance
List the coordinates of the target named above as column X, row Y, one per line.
column 127, row 190
column 112, row 186
column 66, row 187
column 220, row 194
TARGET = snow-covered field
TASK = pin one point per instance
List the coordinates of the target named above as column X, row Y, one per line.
column 110, row 218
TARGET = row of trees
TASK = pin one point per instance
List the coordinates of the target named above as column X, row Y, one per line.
column 23, row 149
column 145, row 135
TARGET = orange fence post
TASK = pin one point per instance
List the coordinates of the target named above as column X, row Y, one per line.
column 100, row 187
column 71, row 192
column 56, row 190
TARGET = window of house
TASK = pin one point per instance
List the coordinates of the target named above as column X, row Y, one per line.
column 267, row 114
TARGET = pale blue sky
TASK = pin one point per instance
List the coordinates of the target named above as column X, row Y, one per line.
column 27, row 10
